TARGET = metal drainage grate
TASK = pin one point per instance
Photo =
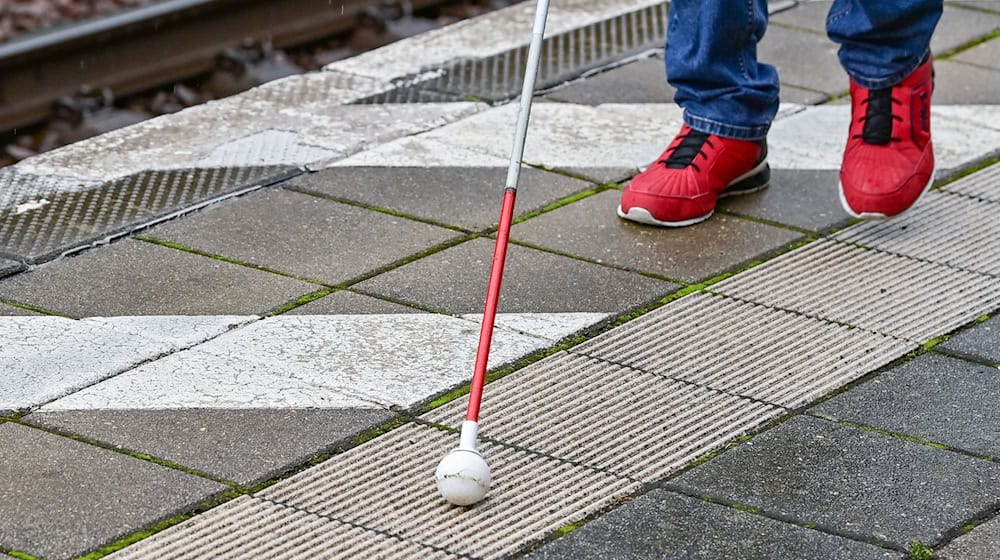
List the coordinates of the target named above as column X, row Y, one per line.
column 250, row 529
column 747, row 349
column 71, row 220
column 983, row 184
column 647, row 428
column 387, row 485
column 945, row 228
column 879, row 291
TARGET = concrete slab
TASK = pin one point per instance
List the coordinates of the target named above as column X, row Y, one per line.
column 642, row 81
column 8, row 267
column 984, row 54
column 550, row 326
column 662, row 525
column 891, row 294
column 803, row 59
column 955, row 396
column 137, row 278
column 807, row 15
column 11, row 311
column 590, row 228
column 454, row 280
column 801, row 198
column 52, row 508
column 466, row 197
column 244, row 446
column 896, row 491
column 792, row 94
column 981, row 342
column 343, row 302
column 958, row 83
column 419, row 151
column 304, row 235
column 981, row 544
column 339, row 361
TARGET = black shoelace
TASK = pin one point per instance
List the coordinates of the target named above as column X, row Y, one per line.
column 689, row 148
column 878, row 118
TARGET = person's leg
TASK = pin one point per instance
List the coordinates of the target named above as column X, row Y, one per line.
column 729, row 101
column 885, row 49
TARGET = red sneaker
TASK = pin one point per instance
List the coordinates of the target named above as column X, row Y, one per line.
column 682, row 187
column 889, row 160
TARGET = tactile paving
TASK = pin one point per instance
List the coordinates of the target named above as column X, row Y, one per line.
column 387, row 485
column 647, row 427
column 75, row 219
column 251, row 529
column 879, row 291
column 983, row 184
column 943, row 228
column 746, row 349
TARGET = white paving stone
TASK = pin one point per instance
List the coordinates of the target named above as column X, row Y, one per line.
column 418, row 151
column 180, row 331
column 550, row 326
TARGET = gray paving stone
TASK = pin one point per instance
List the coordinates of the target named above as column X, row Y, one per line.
column 852, row 482
column 984, row 54
column 244, row 446
column 806, row 199
column 137, row 278
column 454, row 280
column 304, row 235
column 957, row 403
column 60, row 498
column 590, row 228
column 8, row 267
column 642, row 81
column 981, row 341
column 467, row 197
column 981, row 544
column 11, row 311
column 662, row 525
column 957, row 83
column 792, row 94
column 807, row 15
column 349, row 303
column 803, row 59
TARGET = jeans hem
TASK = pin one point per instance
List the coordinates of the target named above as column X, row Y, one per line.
column 893, row 79
column 709, row 126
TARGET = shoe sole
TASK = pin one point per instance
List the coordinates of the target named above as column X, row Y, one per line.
column 878, row 215
column 643, row 216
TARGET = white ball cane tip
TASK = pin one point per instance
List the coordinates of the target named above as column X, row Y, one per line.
column 463, row 477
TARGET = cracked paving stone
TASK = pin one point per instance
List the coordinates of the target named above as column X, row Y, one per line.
column 662, row 525
column 980, row 544
column 802, row 198
column 303, row 235
column 61, row 498
column 851, row 482
column 243, row 446
column 982, row 342
column 590, row 228
column 936, row 398
column 456, row 196
column 137, row 278
column 344, row 302
column 454, row 280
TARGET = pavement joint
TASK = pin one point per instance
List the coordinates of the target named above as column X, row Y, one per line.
column 973, row 7
column 969, row 44
column 596, row 262
column 905, row 437
column 773, row 223
column 36, row 309
column 965, row 172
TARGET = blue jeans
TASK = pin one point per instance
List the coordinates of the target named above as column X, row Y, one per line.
column 712, row 56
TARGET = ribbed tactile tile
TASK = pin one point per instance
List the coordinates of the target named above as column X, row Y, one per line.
column 69, row 220
column 387, row 485
column 879, row 291
column 746, row 349
column 984, row 184
column 648, row 425
column 944, row 228
column 252, row 529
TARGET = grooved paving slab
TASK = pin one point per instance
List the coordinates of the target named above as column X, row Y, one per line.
column 983, row 184
column 957, row 403
column 956, row 83
column 982, row 342
column 662, row 525
column 944, row 228
column 590, row 228
column 75, row 219
column 303, row 235
column 887, row 293
column 245, row 446
column 466, row 197
column 642, row 81
column 138, row 278
column 343, row 302
column 648, row 426
column 247, row 528
column 802, row 198
column 745, row 349
column 981, row 544
column 52, row 508
column 454, row 280
column 387, row 485
column 853, row 482
column 804, row 59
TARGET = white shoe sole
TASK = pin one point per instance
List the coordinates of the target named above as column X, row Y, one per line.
column 878, row 215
